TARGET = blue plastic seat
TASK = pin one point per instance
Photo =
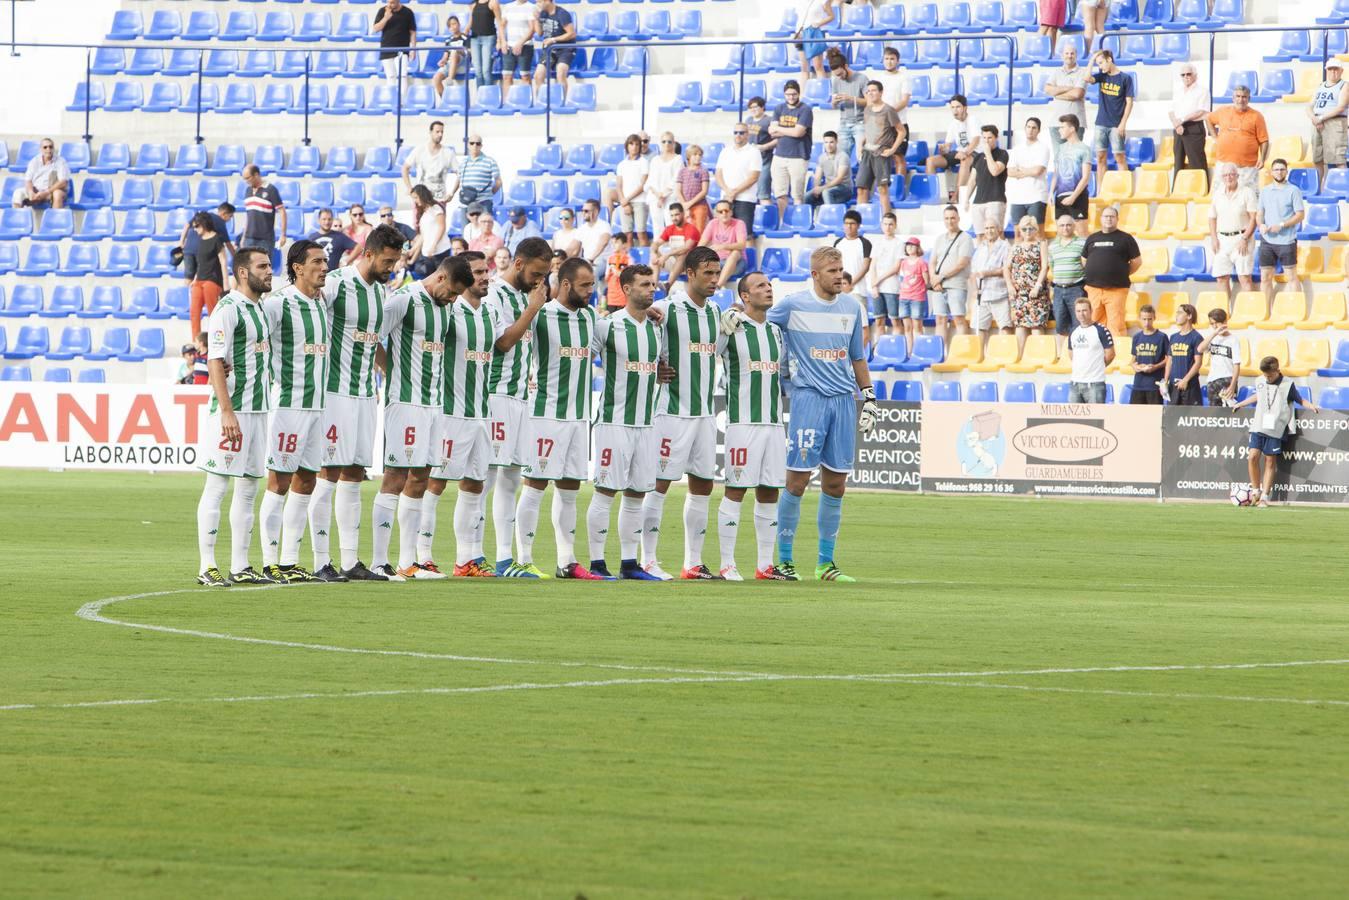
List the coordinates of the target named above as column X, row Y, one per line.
column 104, row 301
column 928, row 349
column 112, row 158
column 57, row 374
column 15, row 373
column 277, row 26
column 15, row 224
column 202, row 25
column 1055, row 392
column 984, row 392
column 210, row 193
column 149, row 345
column 347, row 99
column 688, row 23
column 126, row 25
column 352, row 26
column 945, row 391
column 889, row 352
column 137, row 193
column 219, row 63
column 57, row 224
column 123, row 259
column 143, row 303
column 126, row 97
column 1188, row 263
column 177, row 303
column 165, row 25
column 313, row 95
column 32, row 341
column 116, row 341
column 315, row 26
column 145, row 61
column 257, row 64
column 1019, row 392
column 319, row 194
column 42, row 259
column 1174, row 47
column 239, row 98
column 240, row 25
column 173, row 193
column 92, row 376
column 339, row 163
column 377, row 161
column 75, row 341
column 67, row 300
column 1275, row 85
column 688, row 97
column 9, row 261
column 151, row 159
column 350, row 193
column 907, row 391
column 207, row 98
column 1321, row 219
column 95, row 193
column 364, row 65
column 582, row 96
column 171, row 230
column 164, row 97
column 88, row 96
column 24, row 300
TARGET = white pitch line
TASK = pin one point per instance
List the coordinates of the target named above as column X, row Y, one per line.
column 1106, row 692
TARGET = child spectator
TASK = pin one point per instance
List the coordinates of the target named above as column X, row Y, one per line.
column 1273, row 399
column 1150, row 351
column 691, row 186
column 614, row 297
column 1182, row 365
column 914, row 280
column 1224, row 350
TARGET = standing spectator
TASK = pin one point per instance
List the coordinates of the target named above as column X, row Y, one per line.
column 1027, row 272
column 1243, row 137
column 1184, row 358
column 479, row 176
column 672, row 245
column 1327, row 112
column 432, row 243
column 896, row 94
column 1151, row 348
column 914, row 280
column 630, row 191
column 614, row 296
column 1189, row 120
column 848, row 96
column 660, row 182
column 1072, row 172
column 737, row 173
column 1053, row 16
column 500, row 261
column 357, row 227
column 264, row 213
column 1112, row 114
column 1231, row 230
column 882, row 140
column 1273, row 400
column 856, row 252
column 757, row 122
column 486, row 32
column 887, row 254
column 397, row 29
column 337, row 247
column 594, row 234
column 990, row 285
column 557, row 39
column 791, row 126
column 816, row 15
column 188, row 239
column 1092, row 348
column 520, row 228
column 961, row 142
column 990, row 179
column 726, row 235
column 1281, row 212
column 1094, row 14
column 692, row 183
column 1110, row 256
column 1224, row 354
column 1068, row 86
column 1067, row 276
column 517, row 47
column 488, row 242
column 452, row 58
column 833, row 175
column 46, row 180
column 435, row 164
column 951, row 256
column 211, row 271
column 1027, row 187
column 566, row 238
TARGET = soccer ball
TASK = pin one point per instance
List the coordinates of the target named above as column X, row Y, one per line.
column 1240, row 495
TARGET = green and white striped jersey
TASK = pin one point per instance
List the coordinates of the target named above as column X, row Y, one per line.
column 356, row 320
column 510, row 370
column 237, row 333
column 562, row 348
column 752, row 362
column 415, row 327
column 299, row 327
column 690, row 335
column 630, row 352
column 468, row 358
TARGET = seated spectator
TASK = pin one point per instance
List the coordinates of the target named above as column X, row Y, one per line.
column 518, row 228
column 357, row 227
column 1112, row 113
column 619, row 259
column 566, row 240
column 501, row 260
column 1327, row 112
column 339, row 248
column 991, row 306
column 453, row 58
column 726, row 235
column 488, row 242
column 1027, row 163
column 989, row 166
column 1243, row 136
column 432, row 243
column 630, row 190
column 692, row 184
column 672, row 245
column 211, row 270
column 556, row 32
column 386, row 217
column 962, row 140
column 46, row 181
column 884, row 138
column 833, row 175
column 1231, row 229
column 458, row 245
column 1189, row 117
column 473, row 214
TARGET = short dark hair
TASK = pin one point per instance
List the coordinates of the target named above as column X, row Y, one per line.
column 457, row 269
column 1279, row 162
column 1071, row 119
column 1269, row 364
column 384, row 237
column 831, row 134
column 678, row 206
column 890, row 51
column 699, row 256
column 791, row 85
column 742, row 286
column 853, row 215
column 244, row 256
column 759, row 100
column 324, row 210
column 572, row 267
column 959, row 98
column 990, row 129
column 533, row 248
column 1035, row 119
column 250, row 170
column 876, row 84
column 632, row 273
column 296, row 254
column 950, row 207
column 1218, row 315
column 1189, row 311
column 1106, row 53
column 225, row 209
column 1146, row 308
column 203, row 220
column 473, row 255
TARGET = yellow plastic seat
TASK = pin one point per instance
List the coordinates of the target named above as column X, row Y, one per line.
column 1310, row 260
column 1248, row 309
column 963, row 351
column 1124, row 355
column 1001, row 351
column 1168, row 222
column 1290, row 308
column 1288, row 147
column 1205, row 301
column 1191, row 184
column 1166, row 157
column 1165, row 307
column 1040, row 350
column 1152, row 185
column 1132, row 303
column 1275, row 347
column 1133, row 217
column 1307, row 82
column 1115, row 186
column 1310, row 355
column 1156, row 260
column 1327, row 310
column 1333, row 270
column 1196, row 225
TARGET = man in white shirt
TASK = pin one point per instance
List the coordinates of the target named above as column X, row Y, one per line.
column 957, row 150
column 737, row 175
column 1092, row 348
column 517, row 50
column 435, row 163
column 856, row 252
column 46, row 181
column 1224, row 359
column 1068, row 87
column 1231, row 230
column 896, row 94
column 594, row 234
column 887, row 249
column 1027, row 187
column 1327, row 112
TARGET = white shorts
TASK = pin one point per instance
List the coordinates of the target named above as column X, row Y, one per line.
column 411, row 436
column 555, row 449
column 985, row 314
column 245, row 457
column 295, row 440
column 624, row 457
column 1229, row 260
column 465, row 449
column 686, row 445
column 506, row 428
column 756, row 456
column 349, row 430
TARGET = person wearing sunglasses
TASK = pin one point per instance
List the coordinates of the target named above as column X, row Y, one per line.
column 1026, row 272
column 566, row 238
column 737, row 175
column 1189, row 109
column 660, row 182
column 358, row 227
column 479, row 176
column 46, row 181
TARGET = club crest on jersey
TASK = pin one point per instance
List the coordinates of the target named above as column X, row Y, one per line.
column 738, row 474
column 229, row 459
column 408, row 451
column 543, row 464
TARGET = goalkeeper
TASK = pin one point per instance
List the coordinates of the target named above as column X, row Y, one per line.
column 823, row 334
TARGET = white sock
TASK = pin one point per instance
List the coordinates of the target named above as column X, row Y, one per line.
column 526, row 521
column 479, row 524
column 653, row 505
column 597, row 523
column 409, row 522
column 292, row 527
column 765, row 532
column 269, row 523
column 208, row 517
column 382, row 513
column 695, row 529
column 728, row 521
column 629, row 527
column 508, row 479
column 347, row 511
column 467, row 521
column 241, row 521
column 426, row 529
column 321, row 521
column 564, row 526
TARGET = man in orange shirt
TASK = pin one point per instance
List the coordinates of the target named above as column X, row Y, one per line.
column 1243, row 138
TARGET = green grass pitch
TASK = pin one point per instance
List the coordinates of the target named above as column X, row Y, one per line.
column 684, row 740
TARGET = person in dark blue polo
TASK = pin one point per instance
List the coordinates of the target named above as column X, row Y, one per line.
column 1150, row 351
column 1184, row 359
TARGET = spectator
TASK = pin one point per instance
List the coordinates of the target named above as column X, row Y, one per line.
column 1327, row 112
column 1068, row 88
column 1224, row 360
column 188, row 240
column 1072, row 173
column 397, row 29
column 962, row 140
column 517, row 47
column 990, row 286
column 558, row 259
column 847, row 95
column 556, row 32
column 488, row 242
column 914, row 280
column 758, row 122
column 1053, row 16
column 816, row 15
column 357, row 227
column 1150, row 351
column 1184, row 359
column 1189, row 119
column 337, row 247
column 386, row 217
column 500, row 261
column 211, row 270
column 883, row 138
column 1231, row 230
column 856, row 251
column 1092, row 348
column 737, row 173
column 1027, row 163
column 660, row 182
column 989, row 166
column 728, row 236
column 630, row 189
column 1281, row 212
column 46, row 180
column 673, row 244
column 1067, row 276
column 566, row 239
column 614, row 296
column 791, row 126
column 479, row 176
column 594, row 234
column 1110, row 256
column 833, row 175
column 1027, row 272
column 458, row 245
column 434, row 162
column 1273, row 400
column 951, row 255
column 1112, row 113
column 473, row 214
column 896, row 94
column 432, row 243
column 452, row 58
column 887, row 252
column 264, row 213
column 1094, row 14
column 486, row 32
column 692, row 183
column 1243, row 138
column 188, row 366
column 520, row 228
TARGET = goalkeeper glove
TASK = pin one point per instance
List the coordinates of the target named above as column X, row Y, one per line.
column 732, row 321
column 871, row 411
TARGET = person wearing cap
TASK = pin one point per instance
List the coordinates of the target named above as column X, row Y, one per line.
column 519, row 228
column 488, row 242
column 1189, row 120
column 472, row 213
column 914, row 280
column 1327, row 112
column 479, row 176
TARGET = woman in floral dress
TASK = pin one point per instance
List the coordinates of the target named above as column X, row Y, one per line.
column 1026, row 272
